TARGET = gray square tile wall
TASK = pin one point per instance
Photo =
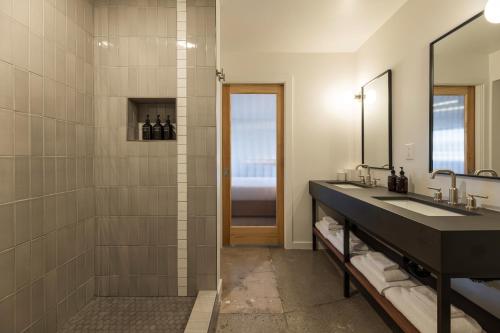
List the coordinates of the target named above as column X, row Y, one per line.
column 201, row 146
column 83, row 212
column 47, row 215
column 136, row 182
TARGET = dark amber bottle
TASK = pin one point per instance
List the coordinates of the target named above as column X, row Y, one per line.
column 158, row 131
column 147, row 129
column 392, row 180
column 402, row 182
column 170, row 129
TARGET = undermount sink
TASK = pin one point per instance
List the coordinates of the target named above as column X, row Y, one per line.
column 422, row 207
column 346, row 185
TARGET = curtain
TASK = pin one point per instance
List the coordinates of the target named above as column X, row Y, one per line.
column 253, row 135
column 449, row 133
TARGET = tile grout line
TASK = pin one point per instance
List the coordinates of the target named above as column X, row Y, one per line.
column 181, row 149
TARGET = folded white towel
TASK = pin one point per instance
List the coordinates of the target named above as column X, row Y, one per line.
column 329, row 219
column 352, row 240
column 428, row 297
column 395, row 275
column 335, row 227
column 364, row 266
column 355, row 244
column 405, row 301
column 381, row 261
column 338, row 241
column 332, row 223
column 391, row 275
column 322, row 227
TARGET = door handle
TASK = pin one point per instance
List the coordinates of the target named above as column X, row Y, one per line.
column 226, row 173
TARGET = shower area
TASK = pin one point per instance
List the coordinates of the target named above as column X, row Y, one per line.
column 101, row 229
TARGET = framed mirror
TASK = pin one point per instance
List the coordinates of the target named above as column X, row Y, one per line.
column 465, row 99
column 376, row 121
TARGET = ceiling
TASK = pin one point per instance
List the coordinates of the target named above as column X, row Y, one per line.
column 301, row 26
column 477, row 37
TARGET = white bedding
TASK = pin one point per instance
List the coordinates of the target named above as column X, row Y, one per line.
column 253, row 188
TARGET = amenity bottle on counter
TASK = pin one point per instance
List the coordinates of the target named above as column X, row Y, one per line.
column 392, row 180
column 158, row 131
column 147, row 129
column 402, row 182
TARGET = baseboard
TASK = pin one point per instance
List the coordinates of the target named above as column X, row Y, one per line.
column 219, row 287
column 297, row 245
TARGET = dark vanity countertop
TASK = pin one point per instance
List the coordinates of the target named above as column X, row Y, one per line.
column 462, row 246
column 477, row 220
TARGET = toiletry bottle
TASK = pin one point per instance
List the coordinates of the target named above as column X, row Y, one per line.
column 147, row 129
column 402, row 182
column 169, row 128
column 158, row 133
column 392, row 180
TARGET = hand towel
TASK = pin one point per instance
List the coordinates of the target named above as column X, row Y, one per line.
column 362, row 264
column 404, row 300
column 353, row 240
column 381, row 261
column 394, row 275
column 387, row 275
column 329, row 219
column 335, row 227
column 428, row 298
column 332, row 223
column 355, row 244
column 336, row 237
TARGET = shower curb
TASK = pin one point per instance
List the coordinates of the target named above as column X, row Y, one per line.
column 203, row 317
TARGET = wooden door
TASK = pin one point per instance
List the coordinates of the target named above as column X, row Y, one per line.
column 251, row 233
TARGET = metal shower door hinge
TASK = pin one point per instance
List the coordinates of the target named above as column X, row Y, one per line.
column 221, row 76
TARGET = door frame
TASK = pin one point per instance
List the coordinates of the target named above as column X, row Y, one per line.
column 469, row 92
column 234, row 235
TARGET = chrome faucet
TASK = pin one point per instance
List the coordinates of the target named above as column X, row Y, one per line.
column 453, row 192
column 492, row 172
column 368, row 178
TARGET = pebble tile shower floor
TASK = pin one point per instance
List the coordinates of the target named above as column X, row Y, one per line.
column 132, row 315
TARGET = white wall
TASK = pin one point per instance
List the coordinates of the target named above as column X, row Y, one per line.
column 494, row 72
column 319, row 113
column 402, row 44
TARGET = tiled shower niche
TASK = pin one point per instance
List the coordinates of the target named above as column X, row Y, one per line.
column 138, row 109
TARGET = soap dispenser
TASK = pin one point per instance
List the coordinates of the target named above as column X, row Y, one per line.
column 147, row 129
column 392, row 180
column 402, row 182
column 169, row 133
column 158, row 131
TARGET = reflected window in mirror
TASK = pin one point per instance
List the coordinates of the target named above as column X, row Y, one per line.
column 465, row 99
column 377, row 121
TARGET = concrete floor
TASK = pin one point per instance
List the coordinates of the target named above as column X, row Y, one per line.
column 273, row 290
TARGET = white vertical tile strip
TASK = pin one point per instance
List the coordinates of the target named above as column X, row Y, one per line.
column 181, row 149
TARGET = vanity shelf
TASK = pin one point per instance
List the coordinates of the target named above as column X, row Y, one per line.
column 385, row 308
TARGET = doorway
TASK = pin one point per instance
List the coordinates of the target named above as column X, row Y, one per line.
column 454, row 135
column 253, row 164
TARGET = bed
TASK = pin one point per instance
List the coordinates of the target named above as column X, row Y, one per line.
column 253, row 196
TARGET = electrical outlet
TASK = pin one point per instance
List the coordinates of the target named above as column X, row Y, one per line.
column 410, row 151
